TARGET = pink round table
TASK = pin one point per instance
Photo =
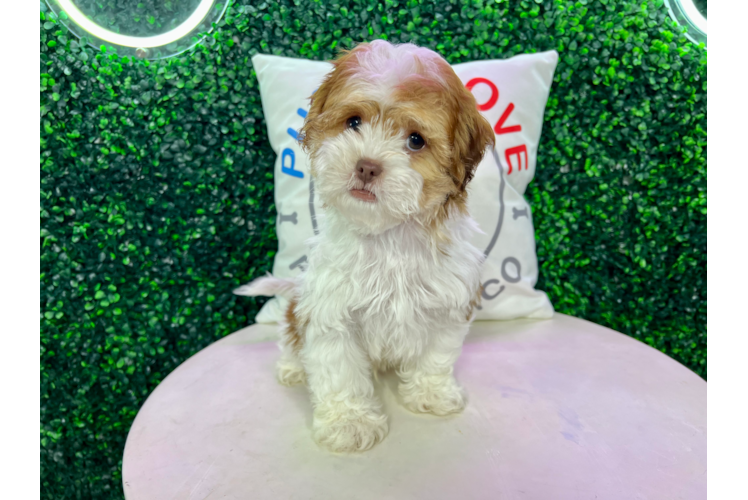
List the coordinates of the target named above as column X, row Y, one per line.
column 558, row 409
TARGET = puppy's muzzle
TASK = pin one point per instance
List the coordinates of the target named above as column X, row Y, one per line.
column 367, row 170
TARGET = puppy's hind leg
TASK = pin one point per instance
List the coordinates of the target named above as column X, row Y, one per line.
column 289, row 368
column 290, row 371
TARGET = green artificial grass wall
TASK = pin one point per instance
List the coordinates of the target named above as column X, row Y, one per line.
column 157, row 191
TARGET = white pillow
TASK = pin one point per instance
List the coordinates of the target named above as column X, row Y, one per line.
column 511, row 94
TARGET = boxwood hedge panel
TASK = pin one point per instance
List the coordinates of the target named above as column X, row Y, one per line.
column 156, row 190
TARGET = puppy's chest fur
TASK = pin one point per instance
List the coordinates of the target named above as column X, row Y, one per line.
column 391, row 290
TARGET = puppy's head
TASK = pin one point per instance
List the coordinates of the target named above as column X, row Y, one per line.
column 393, row 135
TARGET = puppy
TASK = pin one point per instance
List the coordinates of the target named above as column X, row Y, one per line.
column 393, row 138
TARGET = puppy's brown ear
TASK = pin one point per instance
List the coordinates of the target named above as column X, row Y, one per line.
column 312, row 128
column 472, row 135
column 471, row 132
column 314, row 124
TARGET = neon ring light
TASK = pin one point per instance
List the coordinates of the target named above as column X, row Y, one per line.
column 200, row 19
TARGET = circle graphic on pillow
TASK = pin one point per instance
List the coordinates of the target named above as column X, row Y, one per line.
column 502, row 184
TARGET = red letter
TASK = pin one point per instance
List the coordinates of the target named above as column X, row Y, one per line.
column 514, row 128
column 494, row 92
column 517, row 150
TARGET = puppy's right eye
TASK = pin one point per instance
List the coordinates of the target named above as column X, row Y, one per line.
column 353, row 122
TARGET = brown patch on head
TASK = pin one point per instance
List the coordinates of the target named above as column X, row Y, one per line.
column 428, row 99
column 469, row 133
column 293, row 335
column 319, row 123
column 457, row 136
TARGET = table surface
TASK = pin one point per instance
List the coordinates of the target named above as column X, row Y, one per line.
column 558, row 409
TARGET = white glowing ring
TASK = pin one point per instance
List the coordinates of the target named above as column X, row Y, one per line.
column 713, row 26
column 145, row 42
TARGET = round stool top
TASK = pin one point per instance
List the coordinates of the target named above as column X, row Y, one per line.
column 558, row 409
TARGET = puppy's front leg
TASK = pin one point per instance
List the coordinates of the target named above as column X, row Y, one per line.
column 347, row 416
column 427, row 383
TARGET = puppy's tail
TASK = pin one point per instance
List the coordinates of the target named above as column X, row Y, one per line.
column 268, row 286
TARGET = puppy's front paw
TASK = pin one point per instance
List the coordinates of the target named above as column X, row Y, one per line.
column 437, row 394
column 348, row 430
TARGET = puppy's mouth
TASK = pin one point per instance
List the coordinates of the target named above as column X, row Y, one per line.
column 363, row 194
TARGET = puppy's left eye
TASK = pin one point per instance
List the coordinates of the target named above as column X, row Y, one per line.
column 415, row 142
column 353, row 122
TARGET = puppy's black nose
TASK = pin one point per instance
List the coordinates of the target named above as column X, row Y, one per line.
column 366, row 170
